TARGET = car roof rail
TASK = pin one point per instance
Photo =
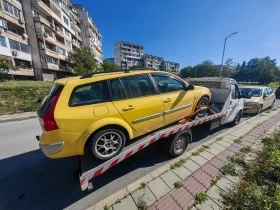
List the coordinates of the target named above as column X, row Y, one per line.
column 89, row 75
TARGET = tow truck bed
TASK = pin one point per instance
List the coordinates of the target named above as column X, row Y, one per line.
column 90, row 167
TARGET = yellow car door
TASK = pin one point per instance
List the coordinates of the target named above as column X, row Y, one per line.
column 136, row 100
column 178, row 102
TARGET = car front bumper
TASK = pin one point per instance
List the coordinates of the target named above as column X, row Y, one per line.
column 251, row 109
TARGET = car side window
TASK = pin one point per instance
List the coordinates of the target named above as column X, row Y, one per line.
column 92, row 93
column 167, row 84
column 266, row 91
column 132, row 87
column 271, row 91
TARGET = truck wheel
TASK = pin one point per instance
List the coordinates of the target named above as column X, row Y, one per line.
column 203, row 102
column 237, row 119
column 107, row 143
column 259, row 110
column 177, row 144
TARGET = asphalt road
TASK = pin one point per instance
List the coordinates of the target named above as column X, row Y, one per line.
column 29, row 180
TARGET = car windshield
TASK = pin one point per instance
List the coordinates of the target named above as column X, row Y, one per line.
column 256, row 92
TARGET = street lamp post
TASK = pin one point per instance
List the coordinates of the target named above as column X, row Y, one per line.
column 224, row 52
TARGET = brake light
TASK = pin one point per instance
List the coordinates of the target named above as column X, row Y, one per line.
column 46, row 119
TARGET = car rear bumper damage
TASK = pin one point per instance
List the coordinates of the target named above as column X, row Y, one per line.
column 51, row 149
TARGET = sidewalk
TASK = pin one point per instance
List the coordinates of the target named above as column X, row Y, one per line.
column 17, row 117
column 195, row 170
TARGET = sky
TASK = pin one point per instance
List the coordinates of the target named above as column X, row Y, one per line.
column 190, row 31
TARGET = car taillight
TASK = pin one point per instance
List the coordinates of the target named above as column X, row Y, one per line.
column 46, row 119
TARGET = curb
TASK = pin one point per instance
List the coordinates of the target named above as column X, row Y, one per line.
column 132, row 187
column 18, row 117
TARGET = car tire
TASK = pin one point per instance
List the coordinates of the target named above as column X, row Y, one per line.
column 237, row 119
column 177, row 144
column 272, row 105
column 203, row 102
column 259, row 110
column 107, row 143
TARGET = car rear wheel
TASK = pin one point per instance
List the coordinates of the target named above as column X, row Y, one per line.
column 202, row 103
column 107, row 143
column 177, row 144
column 259, row 110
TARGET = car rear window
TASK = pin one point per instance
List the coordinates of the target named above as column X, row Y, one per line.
column 91, row 93
column 54, row 90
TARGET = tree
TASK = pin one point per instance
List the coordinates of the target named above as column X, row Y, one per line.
column 168, row 70
column 83, row 61
column 5, row 67
column 107, row 66
column 206, row 69
column 188, row 71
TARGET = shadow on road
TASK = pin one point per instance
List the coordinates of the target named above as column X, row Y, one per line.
column 32, row 181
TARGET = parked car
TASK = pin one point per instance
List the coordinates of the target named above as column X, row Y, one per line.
column 104, row 110
column 260, row 98
column 277, row 92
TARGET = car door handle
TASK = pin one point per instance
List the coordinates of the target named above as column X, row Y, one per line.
column 167, row 100
column 130, row 107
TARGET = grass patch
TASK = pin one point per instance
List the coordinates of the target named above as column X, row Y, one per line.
column 22, row 96
column 237, row 140
column 201, row 149
column 239, row 161
column 178, row 184
column 201, row 197
column 229, row 169
column 118, row 201
column 143, row 185
column 216, row 179
column 106, row 207
column 260, row 184
column 178, row 164
column 246, row 150
column 220, row 138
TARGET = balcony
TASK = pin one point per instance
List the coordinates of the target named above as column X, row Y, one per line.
column 16, row 37
column 50, row 66
column 11, row 18
column 44, row 5
column 47, row 52
column 75, row 27
column 43, row 20
column 76, row 43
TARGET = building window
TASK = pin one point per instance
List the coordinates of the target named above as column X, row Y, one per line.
column 60, row 50
column 18, row 46
column 15, row 30
column 3, row 41
column 68, row 44
column 66, row 20
column 3, row 24
column 11, row 9
column 67, row 33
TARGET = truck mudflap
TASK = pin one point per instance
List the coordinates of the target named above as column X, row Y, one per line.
column 138, row 145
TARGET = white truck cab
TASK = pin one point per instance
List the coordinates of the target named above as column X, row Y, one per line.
column 225, row 97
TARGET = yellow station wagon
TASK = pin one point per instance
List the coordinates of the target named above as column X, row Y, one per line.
column 104, row 110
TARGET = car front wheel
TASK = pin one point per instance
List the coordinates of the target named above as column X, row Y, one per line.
column 237, row 119
column 107, row 143
column 202, row 103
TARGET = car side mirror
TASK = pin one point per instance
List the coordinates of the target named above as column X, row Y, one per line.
column 189, row 87
column 249, row 95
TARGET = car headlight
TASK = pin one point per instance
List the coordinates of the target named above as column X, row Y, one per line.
column 250, row 103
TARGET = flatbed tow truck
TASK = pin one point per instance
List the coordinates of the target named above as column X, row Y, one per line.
column 226, row 106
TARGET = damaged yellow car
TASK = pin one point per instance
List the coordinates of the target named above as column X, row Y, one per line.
column 105, row 110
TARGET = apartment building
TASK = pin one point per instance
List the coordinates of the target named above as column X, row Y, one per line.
column 91, row 36
column 14, row 39
column 154, row 62
column 109, row 60
column 53, row 30
column 174, row 67
column 127, row 54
